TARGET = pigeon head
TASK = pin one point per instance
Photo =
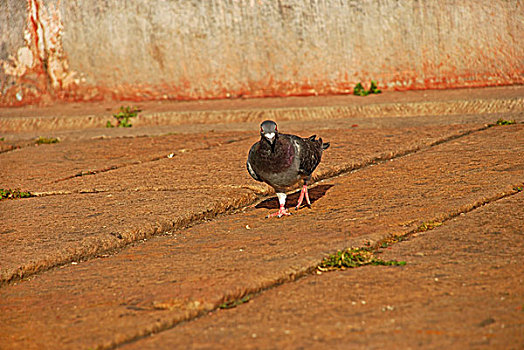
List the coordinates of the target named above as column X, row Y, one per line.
column 268, row 131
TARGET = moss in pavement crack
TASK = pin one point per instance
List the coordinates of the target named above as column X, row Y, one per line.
column 46, row 140
column 234, row 303
column 501, row 121
column 14, row 194
column 354, row 257
column 505, row 122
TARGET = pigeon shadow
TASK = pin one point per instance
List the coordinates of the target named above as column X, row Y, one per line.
column 315, row 193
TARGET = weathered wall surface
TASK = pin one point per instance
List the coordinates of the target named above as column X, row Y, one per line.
column 191, row 49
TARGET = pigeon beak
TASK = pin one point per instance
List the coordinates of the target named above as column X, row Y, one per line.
column 270, row 136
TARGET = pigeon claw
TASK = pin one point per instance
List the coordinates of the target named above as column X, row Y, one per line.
column 301, row 206
column 282, row 212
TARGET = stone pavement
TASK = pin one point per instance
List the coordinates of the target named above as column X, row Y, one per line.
column 462, row 288
column 136, row 241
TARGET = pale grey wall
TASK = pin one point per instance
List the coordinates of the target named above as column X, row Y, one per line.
column 12, row 25
column 207, row 49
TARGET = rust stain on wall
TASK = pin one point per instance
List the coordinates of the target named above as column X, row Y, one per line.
column 40, row 69
column 190, row 49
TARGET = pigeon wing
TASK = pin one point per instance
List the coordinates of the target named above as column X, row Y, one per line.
column 250, row 158
column 310, row 153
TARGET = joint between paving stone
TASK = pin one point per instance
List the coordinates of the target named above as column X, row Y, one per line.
column 394, row 155
column 431, row 224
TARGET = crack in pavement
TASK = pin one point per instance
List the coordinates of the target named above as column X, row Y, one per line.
column 150, row 160
column 137, row 189
column 432, row 224
column 306, row 271
column 402, row 153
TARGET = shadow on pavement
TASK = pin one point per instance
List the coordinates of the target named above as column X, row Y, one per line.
column 315, row 194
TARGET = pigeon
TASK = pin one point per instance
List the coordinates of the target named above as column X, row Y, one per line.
column 282, row 160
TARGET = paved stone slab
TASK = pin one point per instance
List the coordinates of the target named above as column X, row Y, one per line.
column 39, row 168
column 33, row 168
column 134, row 201
column 151, row 286
column 462, row 288
column 225, row 165
column 408, row 103
column 44, row 232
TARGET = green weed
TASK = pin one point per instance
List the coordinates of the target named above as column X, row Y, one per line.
column 354, row 257
column 13, row 194
column 234, row 303
column 505, row 122
column 46, row 140
column 373, row 89
column 359, row 90
column 392, row 240
column 123, row 117
column 426, row 226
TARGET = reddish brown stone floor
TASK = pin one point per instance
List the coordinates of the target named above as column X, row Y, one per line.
column 149, row 234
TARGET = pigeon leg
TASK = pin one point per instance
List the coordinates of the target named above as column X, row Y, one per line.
column 303, row 193
column 307, row 197
column 283, row 211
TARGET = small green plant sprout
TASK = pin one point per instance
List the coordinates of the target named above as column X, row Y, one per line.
column 354, row 257
column 360, row 91
column 123, row 117
column 14, row 194
column 373, row 89
column 46, row 140
column 234, row 303
column 385, row 243
column 505, row 122
column 429, row 225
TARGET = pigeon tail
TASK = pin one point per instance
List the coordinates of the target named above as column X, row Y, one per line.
column 323, row 145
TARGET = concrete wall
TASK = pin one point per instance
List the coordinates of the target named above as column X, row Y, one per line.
column 193, row 49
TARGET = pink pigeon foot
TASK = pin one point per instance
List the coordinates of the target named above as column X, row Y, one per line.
column 303, row 193
column 282, row 212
